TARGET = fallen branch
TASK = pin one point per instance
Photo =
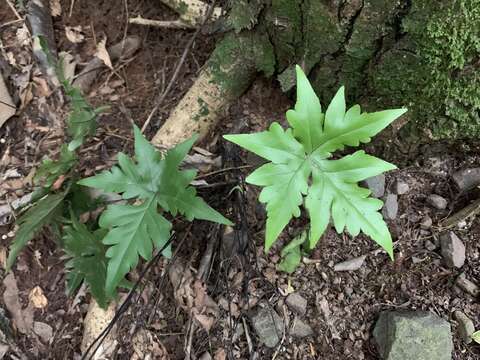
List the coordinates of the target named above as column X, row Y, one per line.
column 175, row 24
column 121, row 50
column 192, row 12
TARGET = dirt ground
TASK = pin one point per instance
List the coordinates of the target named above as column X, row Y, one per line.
column 341, row 306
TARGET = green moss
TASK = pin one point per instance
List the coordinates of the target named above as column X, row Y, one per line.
column 369, row 28
column 244, row 14
column 204, row 110
column 435, row 71
column 237, row 58
column 283, row 20
column 322, row 32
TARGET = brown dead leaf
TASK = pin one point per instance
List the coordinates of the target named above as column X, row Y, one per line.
column 69, row 64
column 58, row 183
column 37, row 298
column 55, row 8
column 42, row 88
column 3, row 257
column 220, row 354
column 23, row 36
column 205, row 321
column 102, row 53
column 22, row 320
column 74, row 34
column 7, row 107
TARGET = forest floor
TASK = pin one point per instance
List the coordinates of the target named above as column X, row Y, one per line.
column 341, row 306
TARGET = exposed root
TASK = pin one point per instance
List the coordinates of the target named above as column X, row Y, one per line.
column 192, row 12
column 96, row 320
column 174, row 24
column 197, row 112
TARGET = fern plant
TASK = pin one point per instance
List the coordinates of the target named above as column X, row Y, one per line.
column 152, row 182
column 48, row 202
column 301, row 171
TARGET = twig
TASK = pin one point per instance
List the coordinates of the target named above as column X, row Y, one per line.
column 177, row 68
column 172, row 24
column 285, row 317
column 223, row 170
column 125, row 305
column 14, row 10
column 247, row 335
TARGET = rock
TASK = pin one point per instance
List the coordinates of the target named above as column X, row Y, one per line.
column 269, row 326
column 426, row 222
column 206, row 356
column 297, row 303
column 437, row 201
column 402, row 187
column 350, row 265
column 467, row 179
column 465, row 326
column 466, row 285
column 430, row 246
column 390, row 208
column 376, row 184
column 413, row 335
column 453, row 250
column 43, row 330
column 301, row 329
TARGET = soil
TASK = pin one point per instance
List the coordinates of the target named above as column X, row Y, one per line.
column 246, row 277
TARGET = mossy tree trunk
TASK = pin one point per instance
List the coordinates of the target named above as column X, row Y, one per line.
column 422, row 54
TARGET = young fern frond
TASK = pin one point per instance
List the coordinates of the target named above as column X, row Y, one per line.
column 134, row 230
column 301, row 173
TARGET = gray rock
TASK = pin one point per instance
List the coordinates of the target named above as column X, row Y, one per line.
column 467, row 179
column 350, row 265
column 301, row 329
column 437, row 201
column 466, row 285
column 297, row 303
column 43, row 330
column 376, row 185
column 465, row 326
column 390, row 208
column 402, row 187
column 453, row 250
column 269, row 326
column 5, row 325
column 426, row 222
column 413, row 335
column 430, row 246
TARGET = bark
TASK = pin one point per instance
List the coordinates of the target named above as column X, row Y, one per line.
column 416, row 53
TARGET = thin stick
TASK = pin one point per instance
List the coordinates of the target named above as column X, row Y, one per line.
column 177, row 69
column 173, row 24
column 14, row 10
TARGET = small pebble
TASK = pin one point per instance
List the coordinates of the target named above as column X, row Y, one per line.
column 402, row 187
column 390, row 208
column 437, row 201
column 466, row 285
column 426, row 222
column 430, row 246
column 465, row 326
column 453, row 249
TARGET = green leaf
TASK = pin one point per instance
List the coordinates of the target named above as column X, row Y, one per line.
column 87, row 260
column 301, row 172
column 34, row 219
column 275, row 145
column 476, row 336
column 133, row 230
column 292, row 254
column 51, row 170
column 151, row 176
column 307, row 118
column 284, row 187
